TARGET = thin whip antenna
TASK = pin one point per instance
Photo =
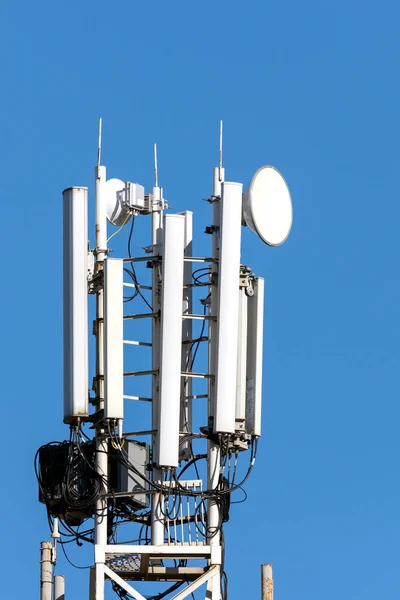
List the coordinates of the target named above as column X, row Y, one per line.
column 99, row 143
column 155, row 166
column 220, row 150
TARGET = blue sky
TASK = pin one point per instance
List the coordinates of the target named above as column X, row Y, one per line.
column 309, row 87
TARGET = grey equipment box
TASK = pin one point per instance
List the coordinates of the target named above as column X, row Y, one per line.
column 124, row 479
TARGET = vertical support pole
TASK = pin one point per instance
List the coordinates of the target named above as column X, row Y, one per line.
column 187, row 335
column 214, row 451
column 157, row 520
column 59, row 587
column 46, row 571
column 100, row 526
column 218, row 178
column 101, row 214
column 267, row 583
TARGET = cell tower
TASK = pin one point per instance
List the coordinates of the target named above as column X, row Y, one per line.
column 157, row 465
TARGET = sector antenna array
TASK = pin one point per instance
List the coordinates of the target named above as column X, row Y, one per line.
column 157, row 463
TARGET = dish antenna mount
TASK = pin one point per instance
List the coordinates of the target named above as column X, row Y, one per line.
column 267, row 206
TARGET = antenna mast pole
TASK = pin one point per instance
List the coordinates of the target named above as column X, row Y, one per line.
column 100, row 529
column 157, row 522
column 214, row 450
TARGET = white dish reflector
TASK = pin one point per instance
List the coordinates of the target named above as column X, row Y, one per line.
column 267, row 206
column 117, row 212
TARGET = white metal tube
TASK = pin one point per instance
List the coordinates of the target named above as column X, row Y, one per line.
column 213, row 520
column 113, row 339
column 99, row 581
column 46, row 571
column 157, row 243
column 240, row 415
column 157, row 519
column 75, row 304
column 218, row 179
column 267, row 583
column 101, row 214
column 100, row 531
column 213, row 304
column 255, row 330
column 100, row 528
column 187, row 335
column 100, row 523
column 228, row 307
column 213, row 451
column 59, row 587
column 171, row 340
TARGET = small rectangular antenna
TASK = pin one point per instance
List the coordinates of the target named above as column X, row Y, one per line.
column 75, row 303
column 228, row 307
column 171, row 340
column 255, row 324
column 113, row 339
column 241, row 362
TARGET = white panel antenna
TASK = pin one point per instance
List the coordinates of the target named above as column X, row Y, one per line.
column 255, row 328
column 187, row 336
column 240, row 416
column 113, row 339
column 75, row 273
column 228, row 307
column 171, row 340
